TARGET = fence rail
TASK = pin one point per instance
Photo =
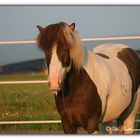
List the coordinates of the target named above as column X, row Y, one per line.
column 39, row 122
column 23, row 82
column 31, row 122
column 83, row 39
column 45, row 81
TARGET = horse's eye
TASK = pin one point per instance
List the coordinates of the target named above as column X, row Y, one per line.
column 66, row 58
column 48, row 57
column 65, row 50
column 63, row 55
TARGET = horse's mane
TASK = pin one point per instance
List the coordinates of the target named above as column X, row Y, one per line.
column 62, row 35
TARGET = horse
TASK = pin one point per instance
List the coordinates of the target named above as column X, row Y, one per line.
column 90, row 87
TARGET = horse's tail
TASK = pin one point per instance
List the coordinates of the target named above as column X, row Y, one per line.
column 138, row 54
column 139, row 61
column 139, row 78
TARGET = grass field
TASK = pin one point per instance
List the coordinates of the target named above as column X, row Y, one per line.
column 27, row 102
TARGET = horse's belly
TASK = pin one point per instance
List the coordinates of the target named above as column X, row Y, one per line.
column 116, row 104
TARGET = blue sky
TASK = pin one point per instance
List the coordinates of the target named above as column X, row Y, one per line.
column 19, row 23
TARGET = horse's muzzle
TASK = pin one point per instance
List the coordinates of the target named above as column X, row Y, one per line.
column 54, row 84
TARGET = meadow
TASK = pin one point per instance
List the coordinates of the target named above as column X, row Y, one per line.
column 28, row 102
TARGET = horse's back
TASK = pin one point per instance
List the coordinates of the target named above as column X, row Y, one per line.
column 125, row 54
column 109, row 49
column 114, row 76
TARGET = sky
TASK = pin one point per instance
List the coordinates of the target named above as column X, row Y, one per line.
column 19, row 23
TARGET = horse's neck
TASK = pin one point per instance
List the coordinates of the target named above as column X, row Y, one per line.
column 76, row 79
column 72, row 81
column 89, row 55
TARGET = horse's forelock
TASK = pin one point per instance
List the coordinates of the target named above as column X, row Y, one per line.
column 54, row 33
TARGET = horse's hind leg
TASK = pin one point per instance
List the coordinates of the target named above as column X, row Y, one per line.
column 126, row 125
column 130, row 120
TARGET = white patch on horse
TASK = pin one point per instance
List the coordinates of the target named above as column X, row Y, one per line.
column 55, row 69
column 111, row 78
column 109, row 49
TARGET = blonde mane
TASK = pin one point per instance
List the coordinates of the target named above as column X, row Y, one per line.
column 76, row 48
column 77, row 52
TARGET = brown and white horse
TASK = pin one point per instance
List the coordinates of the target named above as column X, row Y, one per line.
column 100, row 85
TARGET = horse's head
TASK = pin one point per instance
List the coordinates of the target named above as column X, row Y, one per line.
column 62, row 48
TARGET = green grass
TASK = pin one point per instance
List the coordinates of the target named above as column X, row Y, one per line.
column 27, row 102
column 31, row 76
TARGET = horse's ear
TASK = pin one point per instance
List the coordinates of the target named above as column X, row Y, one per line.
column 72, row 26
column 39, row 28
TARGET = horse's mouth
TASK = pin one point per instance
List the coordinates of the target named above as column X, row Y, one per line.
column 56, row 89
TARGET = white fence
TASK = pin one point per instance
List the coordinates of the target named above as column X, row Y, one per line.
column 83, row 39
column 45, row 81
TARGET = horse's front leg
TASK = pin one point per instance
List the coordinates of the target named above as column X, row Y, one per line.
column 92, row 126
column 68, row 128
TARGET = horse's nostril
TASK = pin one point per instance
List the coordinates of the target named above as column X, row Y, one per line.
column 59, row 81
column 49, row 83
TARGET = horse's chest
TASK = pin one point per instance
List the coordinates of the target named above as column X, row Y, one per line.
column 76, row 116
